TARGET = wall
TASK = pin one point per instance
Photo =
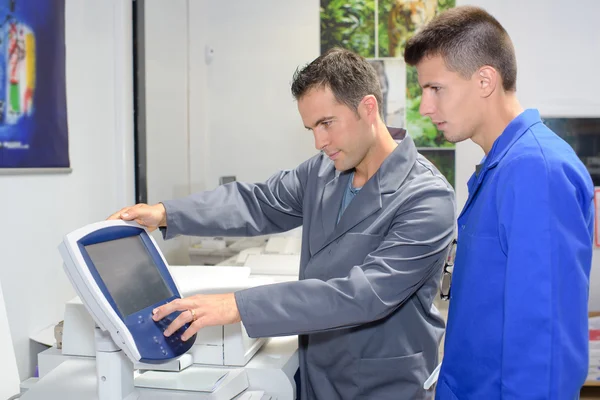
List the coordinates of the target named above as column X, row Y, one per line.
column 167, row 82
column 9, row 373
column 39, row 209
column 231, row 113
column 254, row 128
column 198, row 106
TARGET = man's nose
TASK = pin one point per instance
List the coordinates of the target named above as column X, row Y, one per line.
column 321, row 139
column 426, row 108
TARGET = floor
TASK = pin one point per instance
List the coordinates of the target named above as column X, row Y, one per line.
column 588, row 393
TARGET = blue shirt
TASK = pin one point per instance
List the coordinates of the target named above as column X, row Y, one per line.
column 349, row 194
column 518, row 324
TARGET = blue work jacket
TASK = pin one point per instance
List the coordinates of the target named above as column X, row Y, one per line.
column 518, row 324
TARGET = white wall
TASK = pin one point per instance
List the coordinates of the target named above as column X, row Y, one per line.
column 198, row 26
column 9, row 373
column 167, row 104
column 254, row 128
column 39, row 209
column 233, row 114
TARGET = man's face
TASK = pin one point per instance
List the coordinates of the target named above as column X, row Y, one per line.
column 451, row 101
column 339, row 132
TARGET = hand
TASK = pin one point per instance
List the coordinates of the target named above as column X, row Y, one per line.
column 148, row 216
column 209, row 310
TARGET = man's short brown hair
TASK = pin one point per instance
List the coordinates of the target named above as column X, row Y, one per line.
column 467, row 38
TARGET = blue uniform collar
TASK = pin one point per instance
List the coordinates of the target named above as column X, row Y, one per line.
column 513, row 132
column 515, row 129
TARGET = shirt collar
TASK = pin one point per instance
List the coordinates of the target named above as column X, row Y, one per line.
column 515, row 129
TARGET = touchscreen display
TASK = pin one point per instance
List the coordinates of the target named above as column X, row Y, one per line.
column 129, row 273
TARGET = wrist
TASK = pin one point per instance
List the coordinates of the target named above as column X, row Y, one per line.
column 232, row 305
column 163, row 212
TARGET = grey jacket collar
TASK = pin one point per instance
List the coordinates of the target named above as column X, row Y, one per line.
column 388, row 179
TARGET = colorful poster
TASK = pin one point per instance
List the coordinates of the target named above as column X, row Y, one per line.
column 33, row 110
column 375, row 28
column 399, row 20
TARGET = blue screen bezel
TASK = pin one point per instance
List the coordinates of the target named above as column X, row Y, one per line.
column 120, row 232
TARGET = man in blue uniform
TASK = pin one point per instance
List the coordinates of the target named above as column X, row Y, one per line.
column 517, row 324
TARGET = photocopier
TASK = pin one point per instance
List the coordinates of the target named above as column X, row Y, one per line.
column 112, row 349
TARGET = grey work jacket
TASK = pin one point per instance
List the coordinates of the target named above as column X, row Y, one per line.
column 363, row 304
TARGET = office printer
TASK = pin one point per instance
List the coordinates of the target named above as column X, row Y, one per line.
column 223, row 363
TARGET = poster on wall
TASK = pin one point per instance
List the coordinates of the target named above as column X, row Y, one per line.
column 33, row 109
column 444, row 160
column 422, row 130
column 349, row 24
column 378, row 30
column 391, row 73
column 375, row 28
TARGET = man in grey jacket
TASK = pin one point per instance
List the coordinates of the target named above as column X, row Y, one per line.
column 377, row 221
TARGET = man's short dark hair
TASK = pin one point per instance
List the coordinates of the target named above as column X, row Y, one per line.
column 467, row 38
column 349, row 76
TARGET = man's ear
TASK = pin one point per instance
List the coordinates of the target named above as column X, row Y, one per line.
column 487, row 80
column 369, row 107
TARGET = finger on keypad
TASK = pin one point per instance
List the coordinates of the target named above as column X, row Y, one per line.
column 192, row 330
column 169, row 308
column 181, row 320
